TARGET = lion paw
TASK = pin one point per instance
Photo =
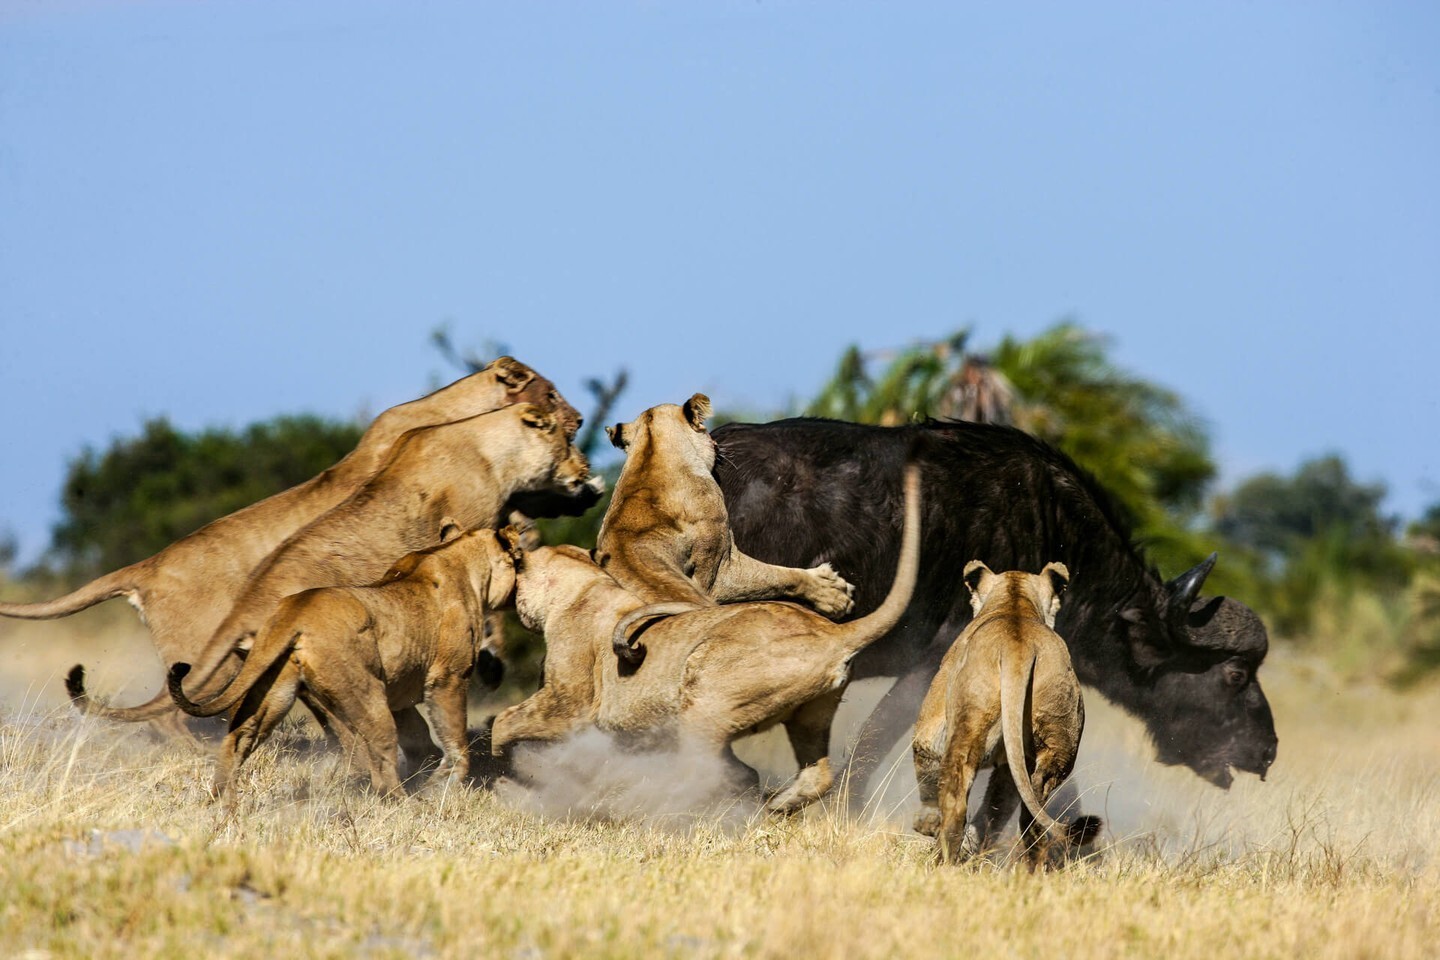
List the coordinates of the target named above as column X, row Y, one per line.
column 830, row 593
column 927, row 821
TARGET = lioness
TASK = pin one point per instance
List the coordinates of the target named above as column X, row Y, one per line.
column 466, row 470
column 359, row 653
column 183, row 592
column 710, row 675
column 1005, row 694
column 666, row 535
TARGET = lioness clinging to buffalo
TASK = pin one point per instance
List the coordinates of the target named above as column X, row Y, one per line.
column 666, row 536
column 359, row 653
column 185, row 590
column 466, row 470
column 1005, row 695
column 709, row 675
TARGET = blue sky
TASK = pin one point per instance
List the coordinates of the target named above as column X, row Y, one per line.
column 224, row 211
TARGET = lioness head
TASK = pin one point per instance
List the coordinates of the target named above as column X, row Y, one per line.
column 568, row 470
column 680, row 428
column 496, row 555
column 484, row 555
column 542, row 574
column 524, row 385
column 1014, row 587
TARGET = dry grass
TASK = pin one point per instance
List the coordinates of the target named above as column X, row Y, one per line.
column 109, row 847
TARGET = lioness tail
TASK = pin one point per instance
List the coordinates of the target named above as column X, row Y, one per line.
column 858, row 634
column 263, row 655
column 1016, row 672
column 115, row 584
column 628, row 648
column 152, row 709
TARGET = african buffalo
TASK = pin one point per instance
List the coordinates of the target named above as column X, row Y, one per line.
column 802, row 492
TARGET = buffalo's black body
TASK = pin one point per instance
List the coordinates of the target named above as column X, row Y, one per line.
column 804, row 491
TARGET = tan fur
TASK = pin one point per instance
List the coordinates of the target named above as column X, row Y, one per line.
column 184, row 591
column 359, row 653
column 709, row 675
column 666, row 535
column 1007, row 666
column 466, row 470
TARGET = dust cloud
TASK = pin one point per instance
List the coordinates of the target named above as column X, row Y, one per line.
column 591, row 775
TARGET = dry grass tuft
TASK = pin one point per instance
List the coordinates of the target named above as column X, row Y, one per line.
column 109, row 846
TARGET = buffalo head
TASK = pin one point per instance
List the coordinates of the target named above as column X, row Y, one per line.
column 1202, row 701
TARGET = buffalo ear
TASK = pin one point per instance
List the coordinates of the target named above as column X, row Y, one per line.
column 1148, row 653
column 617, row 436
column 697, row 411
column 512, row 373
column 537, row 417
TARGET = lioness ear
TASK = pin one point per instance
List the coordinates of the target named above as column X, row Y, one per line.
column 511, row 372
column 450, row 529
column 510, row 538
column 697, row 411
column 527, row 529
column 1059, row 576
column 533, row 416
column 617, row 436
column 975, row 572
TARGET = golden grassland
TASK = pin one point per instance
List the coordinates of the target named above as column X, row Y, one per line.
column 109, row 846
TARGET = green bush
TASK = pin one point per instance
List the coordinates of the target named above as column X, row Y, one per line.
column 143, row 493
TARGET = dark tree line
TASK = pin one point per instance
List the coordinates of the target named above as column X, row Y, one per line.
column 1311, row 550
column 143, row 493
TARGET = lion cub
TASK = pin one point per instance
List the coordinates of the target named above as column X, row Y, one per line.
column 1007, row 667
column 357, row 653
column 666, row 535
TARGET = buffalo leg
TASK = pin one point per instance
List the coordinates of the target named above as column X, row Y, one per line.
column 415, row 739
column 927, row 784
column 809, row 732
column 1001, row 799
column 888, row 724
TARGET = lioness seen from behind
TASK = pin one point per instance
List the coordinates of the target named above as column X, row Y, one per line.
column 1005, row 696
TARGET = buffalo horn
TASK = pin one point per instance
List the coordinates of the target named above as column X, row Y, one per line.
column 1184, row 588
